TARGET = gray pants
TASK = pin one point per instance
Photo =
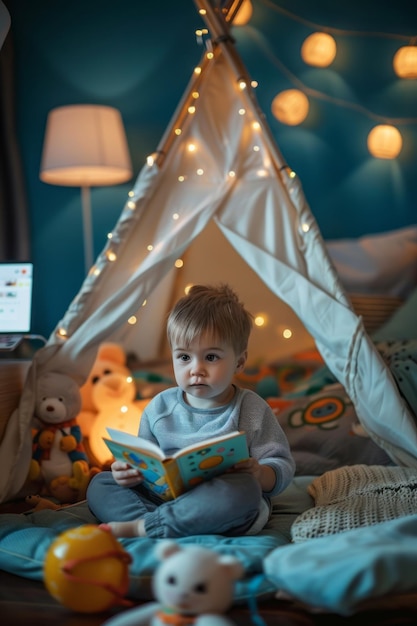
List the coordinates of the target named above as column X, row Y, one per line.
column 226, row 505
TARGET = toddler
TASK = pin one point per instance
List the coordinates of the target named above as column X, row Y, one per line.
column 208, row 332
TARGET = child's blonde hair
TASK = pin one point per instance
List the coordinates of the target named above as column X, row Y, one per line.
column 215, row 310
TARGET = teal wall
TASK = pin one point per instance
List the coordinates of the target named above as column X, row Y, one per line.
column 138, row 57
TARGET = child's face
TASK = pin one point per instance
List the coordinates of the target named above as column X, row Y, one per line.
column 205, row 369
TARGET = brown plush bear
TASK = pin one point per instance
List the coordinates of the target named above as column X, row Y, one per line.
column 59, row 465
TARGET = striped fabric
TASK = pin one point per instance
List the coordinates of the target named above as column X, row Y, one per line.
column 375, row 310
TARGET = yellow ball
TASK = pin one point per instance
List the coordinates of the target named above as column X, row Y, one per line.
column 86, row 569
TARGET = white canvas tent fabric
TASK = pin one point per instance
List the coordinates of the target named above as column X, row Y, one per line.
column 236, row 178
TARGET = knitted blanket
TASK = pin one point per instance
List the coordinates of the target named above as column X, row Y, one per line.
column 355, row 496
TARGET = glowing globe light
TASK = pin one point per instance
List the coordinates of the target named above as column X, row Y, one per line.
column 405, row 62
column 319, row 50
column 385, row 142
column 244, row 14
column 290, row 107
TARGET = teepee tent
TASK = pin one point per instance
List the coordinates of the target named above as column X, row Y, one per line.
column 217, row 168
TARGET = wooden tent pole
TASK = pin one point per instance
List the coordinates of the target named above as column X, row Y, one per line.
column 220, row 31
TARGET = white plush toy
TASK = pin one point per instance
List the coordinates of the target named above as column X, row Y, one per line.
column 193, row 586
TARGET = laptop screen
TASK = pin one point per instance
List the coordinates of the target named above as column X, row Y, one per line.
column 16, row 281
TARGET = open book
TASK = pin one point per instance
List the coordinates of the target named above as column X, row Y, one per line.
column 169, row 477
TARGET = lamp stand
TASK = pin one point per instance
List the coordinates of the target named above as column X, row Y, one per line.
column 87, row 228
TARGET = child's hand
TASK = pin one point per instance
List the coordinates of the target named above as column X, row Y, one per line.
column 264, row 474
column 125, row 475
column 250, row 466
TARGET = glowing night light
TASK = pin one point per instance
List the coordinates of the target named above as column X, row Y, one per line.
column 179, row 263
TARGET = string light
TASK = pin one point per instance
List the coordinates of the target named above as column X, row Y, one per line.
column 409, row 68
column 244, row 13
column 387, row 149
column 405, row 62
column 385, row 142
column 319, row 50
column 290, row 107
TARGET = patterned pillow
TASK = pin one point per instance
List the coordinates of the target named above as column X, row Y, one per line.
column 324, row 432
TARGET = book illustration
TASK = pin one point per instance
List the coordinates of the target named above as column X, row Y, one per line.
column 208, row 462
column 170, row 476
column 152, row 470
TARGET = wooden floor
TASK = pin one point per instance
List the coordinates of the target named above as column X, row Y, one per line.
column 24, row 602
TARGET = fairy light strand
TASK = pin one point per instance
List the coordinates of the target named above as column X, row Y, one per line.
column 334, row 30
column 319, row 95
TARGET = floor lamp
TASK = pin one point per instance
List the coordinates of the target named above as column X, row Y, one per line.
column 85, row 146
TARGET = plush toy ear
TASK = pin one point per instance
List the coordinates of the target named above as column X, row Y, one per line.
column 111, row 352
column 166, row 548
column 234, row 566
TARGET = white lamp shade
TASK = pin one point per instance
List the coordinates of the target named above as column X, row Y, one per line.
column 85, row 146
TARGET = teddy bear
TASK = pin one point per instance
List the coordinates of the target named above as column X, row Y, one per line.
column 59, row 465
column 193, row 586
column 115, row 398
column 110, row 369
